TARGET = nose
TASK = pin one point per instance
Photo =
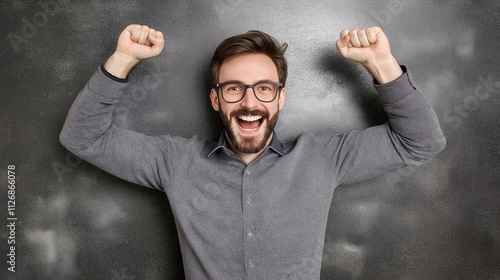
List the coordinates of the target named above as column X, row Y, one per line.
column 249, row 100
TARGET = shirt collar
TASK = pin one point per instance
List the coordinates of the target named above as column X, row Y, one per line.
column 275, row 145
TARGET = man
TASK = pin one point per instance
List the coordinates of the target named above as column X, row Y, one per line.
column 248, row 206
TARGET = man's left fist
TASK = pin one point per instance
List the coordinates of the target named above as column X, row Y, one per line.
column 364, row 45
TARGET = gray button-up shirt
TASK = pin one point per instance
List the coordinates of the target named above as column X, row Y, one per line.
column 264, row 220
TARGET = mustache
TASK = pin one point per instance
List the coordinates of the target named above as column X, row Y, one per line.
column 246, row 112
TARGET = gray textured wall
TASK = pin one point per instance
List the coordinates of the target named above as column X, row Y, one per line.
column 437, row 221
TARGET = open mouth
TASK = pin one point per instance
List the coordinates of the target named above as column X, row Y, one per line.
column 249, row 123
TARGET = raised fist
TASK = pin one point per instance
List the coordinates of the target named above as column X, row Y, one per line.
column 140, row 42
column 136, row 42
column 370, row 47
column 364, row 45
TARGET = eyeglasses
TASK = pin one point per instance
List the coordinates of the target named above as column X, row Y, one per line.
column 265, row 91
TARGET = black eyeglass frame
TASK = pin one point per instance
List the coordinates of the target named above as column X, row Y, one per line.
column 279, row 86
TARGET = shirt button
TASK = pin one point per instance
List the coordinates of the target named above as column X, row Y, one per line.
column 250, row 234
column 249, row 172
column 250, row 263
column 249, row 200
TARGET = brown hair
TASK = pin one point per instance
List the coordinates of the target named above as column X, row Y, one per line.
column 250, row 42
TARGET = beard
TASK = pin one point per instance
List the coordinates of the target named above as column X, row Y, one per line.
column 248, row 144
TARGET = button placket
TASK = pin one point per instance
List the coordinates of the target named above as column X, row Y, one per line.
column 249, row 217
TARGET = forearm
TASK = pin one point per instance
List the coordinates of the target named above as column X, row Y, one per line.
column 411, row 137
column 91, row 114
column 417, row 133
column 89, row 133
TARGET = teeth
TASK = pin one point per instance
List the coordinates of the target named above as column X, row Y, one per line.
column 250, row 118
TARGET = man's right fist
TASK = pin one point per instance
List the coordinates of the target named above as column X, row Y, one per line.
column 136, row 42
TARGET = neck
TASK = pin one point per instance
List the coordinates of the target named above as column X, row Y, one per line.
column 249, row 157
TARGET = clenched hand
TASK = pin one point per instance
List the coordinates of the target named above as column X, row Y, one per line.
column 370, row 47
column 136, row 42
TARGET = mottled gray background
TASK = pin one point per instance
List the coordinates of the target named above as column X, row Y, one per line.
column 437, row 221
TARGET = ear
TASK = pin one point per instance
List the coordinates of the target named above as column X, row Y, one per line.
column 282, row 97
column 214, row 98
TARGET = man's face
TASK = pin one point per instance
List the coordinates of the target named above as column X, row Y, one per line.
column 249, row 123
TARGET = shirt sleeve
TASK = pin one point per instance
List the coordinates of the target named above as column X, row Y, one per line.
column 89, row 133
column 411, row 137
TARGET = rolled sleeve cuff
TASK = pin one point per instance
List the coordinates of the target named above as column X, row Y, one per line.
column 113, row 77
column 397, row 89
column 105, row 86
